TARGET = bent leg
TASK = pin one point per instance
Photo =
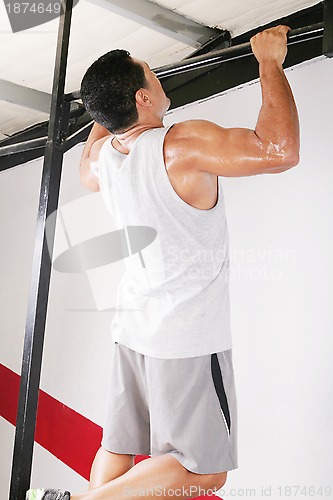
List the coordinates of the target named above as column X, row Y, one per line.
column 153, row 476
column 108, row 466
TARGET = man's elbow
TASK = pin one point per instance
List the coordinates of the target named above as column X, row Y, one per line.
column 292, row 160
column 287, row 161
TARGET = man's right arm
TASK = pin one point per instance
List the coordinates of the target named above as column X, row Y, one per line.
column 272, row 147
column 278, row 124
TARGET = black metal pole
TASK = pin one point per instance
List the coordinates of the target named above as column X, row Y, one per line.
column 234, row 52
column 41, row 270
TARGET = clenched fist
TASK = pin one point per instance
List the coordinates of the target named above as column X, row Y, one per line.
column 271, row 44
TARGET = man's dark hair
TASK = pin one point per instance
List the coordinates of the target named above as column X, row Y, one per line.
column 108, row 90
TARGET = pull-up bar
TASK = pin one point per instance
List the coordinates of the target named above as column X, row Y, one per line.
column 298, row 35
column 235, row 52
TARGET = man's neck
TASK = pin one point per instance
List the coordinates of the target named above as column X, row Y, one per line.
column 123, row 142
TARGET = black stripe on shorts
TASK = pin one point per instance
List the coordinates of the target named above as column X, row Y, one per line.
column 219, row 388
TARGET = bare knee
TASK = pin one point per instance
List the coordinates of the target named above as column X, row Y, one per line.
column 213, row 481
column 107, row 466
column 219, row 480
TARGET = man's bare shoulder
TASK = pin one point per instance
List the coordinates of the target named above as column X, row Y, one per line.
column 191, row 129
column 190, row 141
column 97, row 146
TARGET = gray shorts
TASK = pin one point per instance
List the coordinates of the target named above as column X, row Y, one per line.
column 185, row 407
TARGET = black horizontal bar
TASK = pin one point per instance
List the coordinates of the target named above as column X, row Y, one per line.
column 78, row 136
column 73, row 96
column 37, row 143
column 72, row 140
column 226, row 54
column 20, row 147
column 234, row 52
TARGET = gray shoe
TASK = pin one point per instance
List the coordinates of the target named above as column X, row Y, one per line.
column 41, row 494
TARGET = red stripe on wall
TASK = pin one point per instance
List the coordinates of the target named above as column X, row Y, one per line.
column 68, row 435
column 9, row 391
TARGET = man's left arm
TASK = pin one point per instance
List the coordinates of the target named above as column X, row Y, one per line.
column 96, row 139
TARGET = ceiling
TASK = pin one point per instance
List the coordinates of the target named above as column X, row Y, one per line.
column 151, row 33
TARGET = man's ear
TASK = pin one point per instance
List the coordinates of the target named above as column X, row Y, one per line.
column 142, row 98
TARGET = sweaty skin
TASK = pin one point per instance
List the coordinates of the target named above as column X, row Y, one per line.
column 197, row 151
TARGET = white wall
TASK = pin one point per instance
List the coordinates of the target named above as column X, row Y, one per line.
column 281, row 292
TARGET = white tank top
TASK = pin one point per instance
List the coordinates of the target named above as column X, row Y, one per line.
column 173, row 299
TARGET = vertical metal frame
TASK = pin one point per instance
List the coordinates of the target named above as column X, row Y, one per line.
column 328, row 31
column 41, row 269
